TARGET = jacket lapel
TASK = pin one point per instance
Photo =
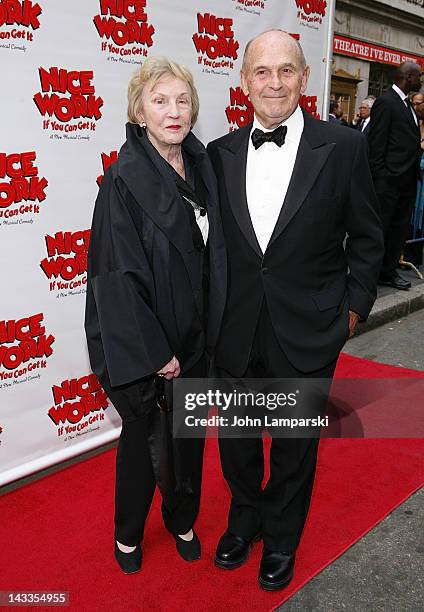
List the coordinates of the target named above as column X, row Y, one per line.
column 152, row 185
column 406, row 109
column 311, row 156
column 234, row 159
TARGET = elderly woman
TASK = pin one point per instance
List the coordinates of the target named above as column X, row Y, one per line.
column 155, row 296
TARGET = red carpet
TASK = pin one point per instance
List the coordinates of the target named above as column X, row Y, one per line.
column 56, row 534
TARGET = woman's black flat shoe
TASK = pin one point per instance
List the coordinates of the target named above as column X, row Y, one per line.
column 129, row 562
column 188, row 550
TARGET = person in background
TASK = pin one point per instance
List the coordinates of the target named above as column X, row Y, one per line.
column 155, row 296
column 394, row 155
column 414, row 251
column 363, row 118
column 332, row 114
column 340, row 115
column 417, row 99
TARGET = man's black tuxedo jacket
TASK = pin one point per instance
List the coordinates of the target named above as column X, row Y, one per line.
column 309, row 281
column 393, row 138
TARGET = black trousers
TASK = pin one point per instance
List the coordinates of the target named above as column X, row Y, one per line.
column 136, row 483
column 279, row 510
column 396, row 195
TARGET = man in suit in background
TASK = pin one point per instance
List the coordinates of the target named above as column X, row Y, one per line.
column 291, row 187
column 363, row 122
column 332, row 114
column 340, row 116
column 394, row 155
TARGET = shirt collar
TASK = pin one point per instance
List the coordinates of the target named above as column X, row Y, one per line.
column 399, row 92
column 294, row 125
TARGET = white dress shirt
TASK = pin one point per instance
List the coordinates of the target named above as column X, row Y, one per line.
column 201, row 220
column 364, row 125
column 403, row 97
column 203, row 223
column 268, row 174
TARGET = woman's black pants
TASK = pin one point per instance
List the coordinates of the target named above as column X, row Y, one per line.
column 135, row 481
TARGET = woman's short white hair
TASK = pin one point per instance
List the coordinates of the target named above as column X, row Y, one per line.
column 152, row 71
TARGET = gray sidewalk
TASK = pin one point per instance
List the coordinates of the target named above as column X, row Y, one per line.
column 383, row 572
column 392, row 304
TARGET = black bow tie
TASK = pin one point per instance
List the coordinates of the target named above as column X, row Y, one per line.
column 278, row 136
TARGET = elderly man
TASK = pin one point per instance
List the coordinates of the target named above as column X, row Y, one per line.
column 363, row 123
column 291, row 188
column 394, row 154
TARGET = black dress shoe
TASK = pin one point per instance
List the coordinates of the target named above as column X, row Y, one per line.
column 276, row 570
column 189, row 550
column 130, row 563
column 232, row 550
column 395, row 281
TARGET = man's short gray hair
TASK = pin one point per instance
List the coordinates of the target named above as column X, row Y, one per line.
column 368, row 101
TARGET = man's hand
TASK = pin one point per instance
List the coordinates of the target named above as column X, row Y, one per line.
column 171, row 369
column 353, row 320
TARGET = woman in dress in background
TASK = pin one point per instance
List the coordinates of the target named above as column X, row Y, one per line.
column 418, row 212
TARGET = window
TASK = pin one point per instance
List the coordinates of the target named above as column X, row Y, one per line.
column 381, row 78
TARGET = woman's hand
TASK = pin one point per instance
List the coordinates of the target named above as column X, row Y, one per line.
column 171, row 369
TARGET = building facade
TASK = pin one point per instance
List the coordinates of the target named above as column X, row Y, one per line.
column 371, row 38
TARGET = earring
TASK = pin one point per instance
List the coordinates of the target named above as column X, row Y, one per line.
column 143, row 124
